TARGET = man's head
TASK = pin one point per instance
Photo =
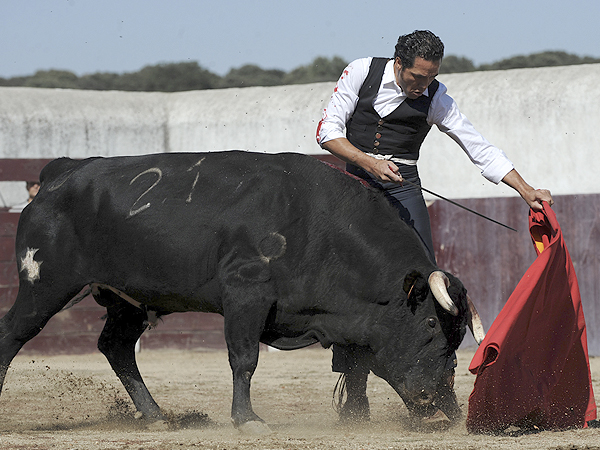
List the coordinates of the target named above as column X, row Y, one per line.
column 423, row 44
column 32, row 188
column 417, row 61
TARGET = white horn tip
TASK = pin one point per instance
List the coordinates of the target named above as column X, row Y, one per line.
column 439, row 282
column 479, row 336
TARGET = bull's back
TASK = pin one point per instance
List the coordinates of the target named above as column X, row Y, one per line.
column 162, row 214
column 190, row 185
column 174, row 199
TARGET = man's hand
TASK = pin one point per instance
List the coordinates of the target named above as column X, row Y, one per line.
column 386, row 171
column 381, row 169
column 533, row 197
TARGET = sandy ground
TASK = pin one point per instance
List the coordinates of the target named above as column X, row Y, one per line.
column 76, row 402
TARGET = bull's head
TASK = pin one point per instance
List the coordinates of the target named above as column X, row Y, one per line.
column 418, row 338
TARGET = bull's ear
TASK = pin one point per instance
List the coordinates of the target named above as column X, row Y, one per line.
column 410, row 280
column 415, row 286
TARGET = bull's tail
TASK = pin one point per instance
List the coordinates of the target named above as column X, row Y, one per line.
column 339, row 393
column 87, row 290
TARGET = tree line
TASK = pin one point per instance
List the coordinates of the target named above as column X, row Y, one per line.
column 455, row 64
column 186, row 76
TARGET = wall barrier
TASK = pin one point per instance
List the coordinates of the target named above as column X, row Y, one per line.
column 550, row 135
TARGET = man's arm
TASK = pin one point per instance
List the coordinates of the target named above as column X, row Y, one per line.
column 533, row 197
column 330, row 132
column 383, row 170
column 492, row 161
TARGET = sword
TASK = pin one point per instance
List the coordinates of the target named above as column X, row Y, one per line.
column 457, row 204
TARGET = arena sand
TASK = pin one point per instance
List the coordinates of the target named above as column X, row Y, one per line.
column 76, row 402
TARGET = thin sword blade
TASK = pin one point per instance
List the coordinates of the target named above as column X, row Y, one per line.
column 458, row 204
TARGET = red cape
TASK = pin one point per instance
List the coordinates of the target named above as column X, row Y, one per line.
column 532, row 367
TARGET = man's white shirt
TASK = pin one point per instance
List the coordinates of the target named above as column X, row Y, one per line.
column 443, row 112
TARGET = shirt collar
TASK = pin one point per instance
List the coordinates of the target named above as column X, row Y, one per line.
column 389, row 79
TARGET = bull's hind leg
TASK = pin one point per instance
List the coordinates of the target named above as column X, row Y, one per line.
column 124, row 326
column 245, row 312
column 34, row 306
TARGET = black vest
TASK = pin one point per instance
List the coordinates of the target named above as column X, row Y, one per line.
column 401, row 132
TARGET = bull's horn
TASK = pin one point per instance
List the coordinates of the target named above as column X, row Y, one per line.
column 438, row 282
column 475, row 322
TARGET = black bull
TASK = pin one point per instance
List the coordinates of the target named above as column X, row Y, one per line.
column 289, row 250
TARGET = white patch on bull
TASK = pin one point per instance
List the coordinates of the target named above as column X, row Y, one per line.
column 29, row 265
column 189, row 198
column 133, row 211
column 272, row 247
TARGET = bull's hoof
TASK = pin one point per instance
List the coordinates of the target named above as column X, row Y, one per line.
column 157, row 417
column 158, row 425
column 438, row 417
column 254, row 428
column 436, row 422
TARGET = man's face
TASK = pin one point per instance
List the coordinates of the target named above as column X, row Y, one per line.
column 33, row 189
column 414, row 80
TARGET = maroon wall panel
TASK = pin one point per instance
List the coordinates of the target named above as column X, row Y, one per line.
column 21, row 169
column 76, row 331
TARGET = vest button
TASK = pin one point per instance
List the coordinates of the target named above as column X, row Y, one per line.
column 376, row 143
column 380, row 122
column 378, row 136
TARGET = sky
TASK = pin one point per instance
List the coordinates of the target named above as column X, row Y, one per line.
column 89, row 36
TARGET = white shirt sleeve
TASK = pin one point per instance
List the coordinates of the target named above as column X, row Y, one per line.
column 343, row 101
column 443, row 112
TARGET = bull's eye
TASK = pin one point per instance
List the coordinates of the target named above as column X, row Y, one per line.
column 431, row 322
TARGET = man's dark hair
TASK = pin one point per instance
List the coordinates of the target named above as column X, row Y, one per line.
column 422, row 44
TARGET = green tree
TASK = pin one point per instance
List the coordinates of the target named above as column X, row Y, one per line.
column 14, row 81
column 252, row 75
column 543, row 59
column 320, row 69
column 52, row 79
column 102, row 81
column 185, row 76
column 456, row 64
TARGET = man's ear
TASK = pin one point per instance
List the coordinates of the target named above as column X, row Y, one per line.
column 398, row 61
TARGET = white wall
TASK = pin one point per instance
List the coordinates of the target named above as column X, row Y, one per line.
column 272, row 120
column 544, row 119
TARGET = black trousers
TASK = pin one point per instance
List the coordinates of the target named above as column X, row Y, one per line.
column 407, row 199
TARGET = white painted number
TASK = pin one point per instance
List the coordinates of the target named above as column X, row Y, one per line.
column 135, row 209
column 189, row 198
column 155, row 170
